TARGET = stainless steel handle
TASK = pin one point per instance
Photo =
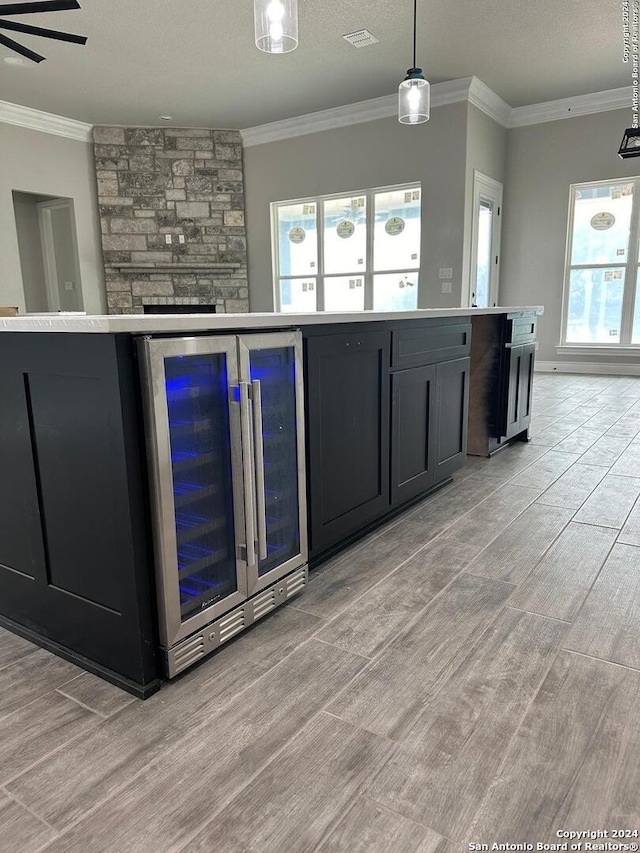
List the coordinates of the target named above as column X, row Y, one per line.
column 258, row 444
column 247, row 470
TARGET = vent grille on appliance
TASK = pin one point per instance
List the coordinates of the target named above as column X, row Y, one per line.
column 296, row 582
column 262, row 604
column 231, row 624
column 188, row 653
column 361, row 38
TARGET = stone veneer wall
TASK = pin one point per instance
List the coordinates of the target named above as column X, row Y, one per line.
column 183, row 182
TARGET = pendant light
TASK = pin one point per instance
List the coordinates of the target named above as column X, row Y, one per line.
column 414, row 93
column 276, row 25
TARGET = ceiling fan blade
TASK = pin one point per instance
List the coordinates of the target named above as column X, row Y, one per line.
column 44, row 6
column 40, row 31
column 18, row 48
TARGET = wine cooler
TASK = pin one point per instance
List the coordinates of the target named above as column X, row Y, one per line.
column 225, row 432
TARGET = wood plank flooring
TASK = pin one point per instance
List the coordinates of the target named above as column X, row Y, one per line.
column 468, row 673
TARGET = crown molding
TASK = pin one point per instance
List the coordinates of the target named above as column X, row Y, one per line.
column 44, row 122
column 580, row 105
column 469, row 89
column 485, row 99
column 451, row 92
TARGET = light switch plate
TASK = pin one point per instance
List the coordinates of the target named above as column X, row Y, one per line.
column 68, row 285
column 445, row 272
column 446, row 287
column 181, row 238
column 167, row 239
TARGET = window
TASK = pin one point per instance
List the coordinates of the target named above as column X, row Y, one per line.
column 350, row 252
column 601, row 281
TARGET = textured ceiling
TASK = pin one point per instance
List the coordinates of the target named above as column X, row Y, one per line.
column 195, row 59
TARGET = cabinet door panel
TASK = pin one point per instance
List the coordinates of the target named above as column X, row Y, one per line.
column 515, row 359
column 525, row 382
column 348, row 433
column 21, row 540
column 412, row 450
column 452, row 392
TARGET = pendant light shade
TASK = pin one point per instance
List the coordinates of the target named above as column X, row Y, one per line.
column 414, row 98
column 630, row 145
column 276, row 25
column 414, row 93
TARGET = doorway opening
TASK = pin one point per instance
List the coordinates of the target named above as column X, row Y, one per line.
column 485, row 241
column 48, row 248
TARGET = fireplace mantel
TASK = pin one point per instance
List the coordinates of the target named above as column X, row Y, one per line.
column 174, row 268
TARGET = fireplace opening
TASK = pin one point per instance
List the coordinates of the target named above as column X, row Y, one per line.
column 179, row 309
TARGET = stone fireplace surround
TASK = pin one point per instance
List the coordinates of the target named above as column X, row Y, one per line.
column 180, row 184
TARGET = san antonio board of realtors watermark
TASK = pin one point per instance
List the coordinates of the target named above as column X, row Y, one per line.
column 586, row 841
column 631, row 49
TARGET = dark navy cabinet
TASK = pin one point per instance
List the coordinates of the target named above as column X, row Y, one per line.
column 387, row 410
column 75, row 560
column 347, row 402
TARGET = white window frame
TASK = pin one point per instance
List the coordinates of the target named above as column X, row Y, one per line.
column 630, row 266
column 320, row 274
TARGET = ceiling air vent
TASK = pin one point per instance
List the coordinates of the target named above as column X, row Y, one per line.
column 361, row 38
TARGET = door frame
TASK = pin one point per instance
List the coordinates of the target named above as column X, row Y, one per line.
column 45, row 209
column 485, row 189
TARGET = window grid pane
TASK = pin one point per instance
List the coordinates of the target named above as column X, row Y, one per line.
column 635, row 335
column 345, row 235
column 602, row 218
column 595, row 306
column 396, row 240
column 298, row 295
column 395, row 292
column 297, row 239
column 344, row 293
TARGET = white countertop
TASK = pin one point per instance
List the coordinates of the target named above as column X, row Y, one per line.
column 148, row 323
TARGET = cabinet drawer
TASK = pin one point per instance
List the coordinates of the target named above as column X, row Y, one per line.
column 522, row 330
column 430, row 344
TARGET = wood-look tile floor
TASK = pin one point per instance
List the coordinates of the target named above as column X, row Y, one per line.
column 468, row 673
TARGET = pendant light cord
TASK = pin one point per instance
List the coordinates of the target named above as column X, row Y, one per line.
column 415, row 28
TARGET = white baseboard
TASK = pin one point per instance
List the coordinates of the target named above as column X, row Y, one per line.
column 589, row 367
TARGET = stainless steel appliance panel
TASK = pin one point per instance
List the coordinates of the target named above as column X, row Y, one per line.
column 194, row 442
column 271, row 384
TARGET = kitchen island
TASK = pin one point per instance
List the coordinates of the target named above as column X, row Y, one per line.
column 391, row 403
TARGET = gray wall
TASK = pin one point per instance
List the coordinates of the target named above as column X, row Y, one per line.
column 45, row 164
column 29, row 246
column 372, row 154
column 542, row 161
column 486, row 152
column 65, row 258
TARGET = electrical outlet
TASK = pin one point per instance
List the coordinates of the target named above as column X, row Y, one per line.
column 445, row 272
column 68, row 285
column 446, row 287
column 181, row 238
column 167, row 239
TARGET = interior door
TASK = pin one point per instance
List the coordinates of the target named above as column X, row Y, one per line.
column 196, row 466
column 271, row 399
column 485, row 242
column 60, row 255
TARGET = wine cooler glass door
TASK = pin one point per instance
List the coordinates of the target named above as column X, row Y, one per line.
column 271, row 385
column 197, row 474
